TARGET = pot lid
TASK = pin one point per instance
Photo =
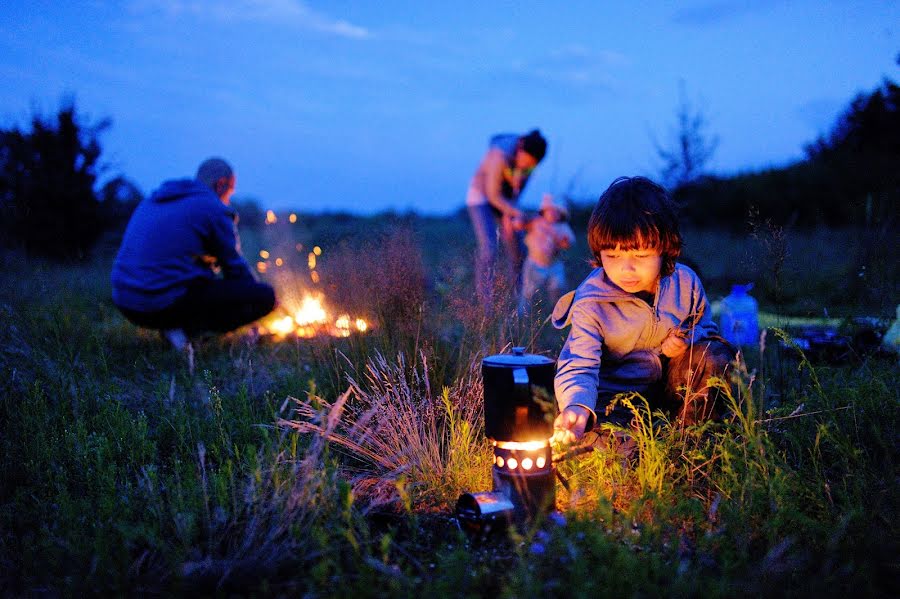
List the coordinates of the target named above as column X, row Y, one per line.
column 517, row 358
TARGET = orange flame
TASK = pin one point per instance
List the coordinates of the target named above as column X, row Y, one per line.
column 522, row 445
column 312, row 319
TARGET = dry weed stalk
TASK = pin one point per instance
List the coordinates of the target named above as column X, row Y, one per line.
column 394, row 426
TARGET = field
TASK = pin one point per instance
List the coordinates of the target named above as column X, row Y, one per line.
column 330, row 466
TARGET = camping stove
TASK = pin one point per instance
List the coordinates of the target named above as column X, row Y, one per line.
column 518, row 419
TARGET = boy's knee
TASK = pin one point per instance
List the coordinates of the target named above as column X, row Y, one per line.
column 718, row 354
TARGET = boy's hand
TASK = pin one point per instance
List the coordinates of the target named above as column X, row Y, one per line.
column 673, row 345
column 569, row 425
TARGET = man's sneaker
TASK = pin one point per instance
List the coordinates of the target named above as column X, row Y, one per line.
column 177, row 338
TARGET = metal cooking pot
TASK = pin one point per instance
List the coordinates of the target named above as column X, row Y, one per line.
column 512, row 412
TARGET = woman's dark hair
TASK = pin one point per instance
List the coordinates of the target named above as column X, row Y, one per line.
column 534, row 143
column 635, row 213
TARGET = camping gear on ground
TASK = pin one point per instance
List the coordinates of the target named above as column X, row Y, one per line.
column 891, row 340
column 519, row 409
column 739, row 316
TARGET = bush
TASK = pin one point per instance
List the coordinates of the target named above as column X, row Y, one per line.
column 47, row 177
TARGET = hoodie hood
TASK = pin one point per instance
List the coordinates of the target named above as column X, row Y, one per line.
column 595, row 287
column 178, row 189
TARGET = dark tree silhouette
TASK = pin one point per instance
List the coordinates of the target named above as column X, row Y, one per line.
column 690, row 147
column 850, row 177
column 118, row 199
column 47, row 176
column 870, row 125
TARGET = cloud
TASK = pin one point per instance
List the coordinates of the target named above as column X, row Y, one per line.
column 709, row 13
column 575, row 66
column 287, row 12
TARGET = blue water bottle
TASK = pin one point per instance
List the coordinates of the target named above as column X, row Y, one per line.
column 739, row 317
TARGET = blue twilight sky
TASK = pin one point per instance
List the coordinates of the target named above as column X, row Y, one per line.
column 366, row 106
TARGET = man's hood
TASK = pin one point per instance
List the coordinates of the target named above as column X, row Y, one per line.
column 177, row 189
column 594, row 287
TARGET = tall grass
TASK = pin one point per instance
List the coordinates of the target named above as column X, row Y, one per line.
column 394, row 428
column 328, row 466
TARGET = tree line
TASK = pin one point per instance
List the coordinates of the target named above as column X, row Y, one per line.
column 849, row 177
column 50, row 203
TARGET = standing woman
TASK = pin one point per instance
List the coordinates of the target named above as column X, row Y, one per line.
column 491, row 202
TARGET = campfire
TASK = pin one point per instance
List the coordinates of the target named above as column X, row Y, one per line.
column 302, row 312
column 311, row 319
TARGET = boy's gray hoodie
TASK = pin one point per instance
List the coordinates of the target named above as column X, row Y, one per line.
column 615, row 341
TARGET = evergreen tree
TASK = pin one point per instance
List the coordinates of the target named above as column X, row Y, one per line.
column 47, row 176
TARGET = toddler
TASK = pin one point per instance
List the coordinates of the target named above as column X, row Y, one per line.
column 546, row 237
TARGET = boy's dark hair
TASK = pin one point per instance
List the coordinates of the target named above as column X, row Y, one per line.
column 635, row 213
column 534, row 143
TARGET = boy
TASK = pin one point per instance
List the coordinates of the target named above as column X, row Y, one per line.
column 640, row 322
column 546, row 237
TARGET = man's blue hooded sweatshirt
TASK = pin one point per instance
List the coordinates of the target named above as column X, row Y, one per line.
column 168, row 243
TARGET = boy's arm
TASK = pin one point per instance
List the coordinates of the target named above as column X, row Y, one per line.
column 699, row 324
column 578, row 367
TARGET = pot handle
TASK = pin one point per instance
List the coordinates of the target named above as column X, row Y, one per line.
column 520, row 377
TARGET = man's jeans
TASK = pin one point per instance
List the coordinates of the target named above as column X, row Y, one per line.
column 488, row 228
column 211, row 305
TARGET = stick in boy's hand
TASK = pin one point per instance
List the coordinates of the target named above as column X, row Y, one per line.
column 674, row 344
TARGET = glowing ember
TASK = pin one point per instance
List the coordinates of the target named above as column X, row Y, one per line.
column 311, row 319
column 303, row 314
column 282, row 326
column 271, row 219
column 522, row 446
column 310, row 312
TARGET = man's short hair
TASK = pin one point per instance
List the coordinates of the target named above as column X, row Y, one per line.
column 213, row 169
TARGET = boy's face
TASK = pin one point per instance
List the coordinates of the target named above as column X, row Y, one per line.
column 632, row 270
